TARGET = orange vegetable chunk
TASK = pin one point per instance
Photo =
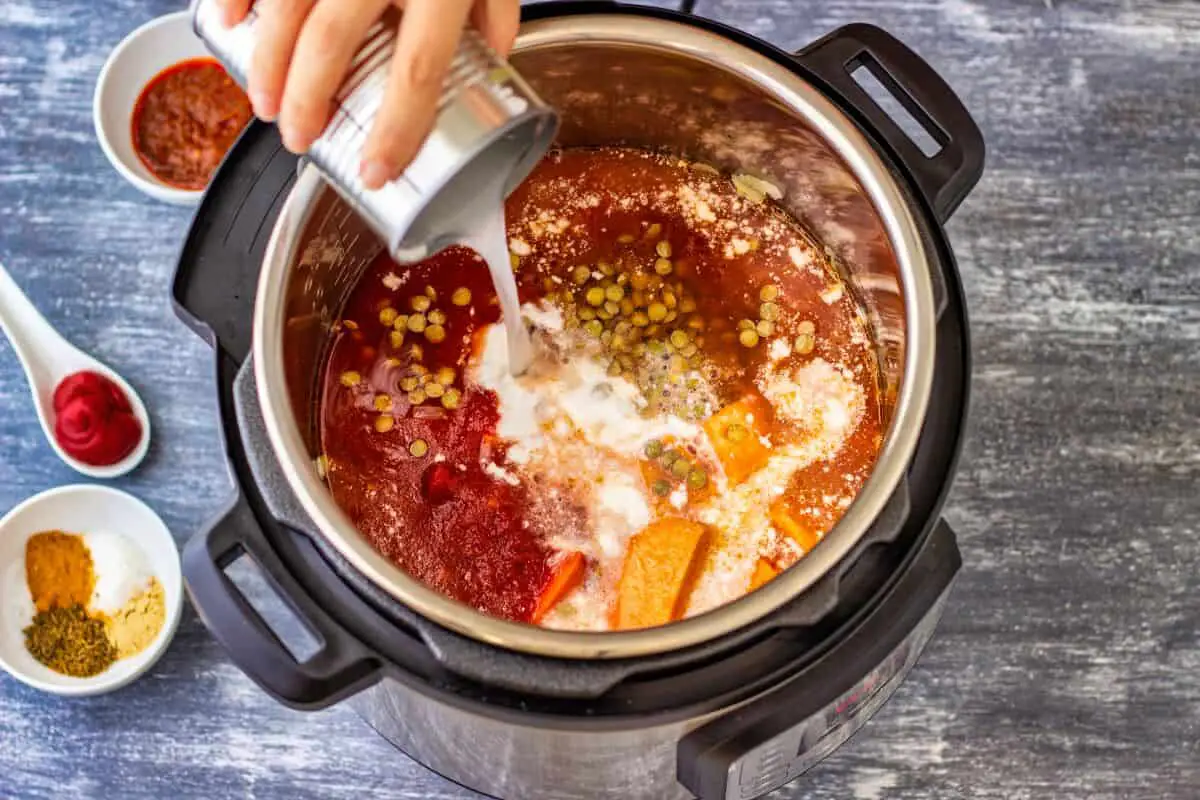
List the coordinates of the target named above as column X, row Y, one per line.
column 566, row 578
column 658, row 566
column 735, row 433
column 789, row 525
column 764, row 572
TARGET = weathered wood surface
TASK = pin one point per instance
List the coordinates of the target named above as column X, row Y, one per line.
column 1069, row 662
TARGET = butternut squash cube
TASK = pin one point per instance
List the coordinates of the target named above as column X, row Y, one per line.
column 736, row 433
column 790, row 525
column 659, row 567
column 764, row 573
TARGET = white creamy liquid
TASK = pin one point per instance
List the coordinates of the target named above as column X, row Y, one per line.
column 490, row 241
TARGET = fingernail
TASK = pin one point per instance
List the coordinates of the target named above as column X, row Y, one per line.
column 263, row 108
column 374, row 173
column 292, row 139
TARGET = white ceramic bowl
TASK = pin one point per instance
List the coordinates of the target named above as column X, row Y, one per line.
column 140, row 56
column 81, row 508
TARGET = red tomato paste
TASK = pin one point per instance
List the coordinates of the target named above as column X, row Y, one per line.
column 94, row 422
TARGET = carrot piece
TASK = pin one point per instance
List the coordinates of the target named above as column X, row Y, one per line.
column 735, row 432
column 566, row 578
column 658, row 564
column 764, row 572
column 786, row 523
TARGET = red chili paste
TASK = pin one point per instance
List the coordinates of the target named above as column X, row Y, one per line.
column 94, row 421
column 186, row 119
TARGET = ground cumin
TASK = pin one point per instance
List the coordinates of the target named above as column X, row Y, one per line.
column 58, row 569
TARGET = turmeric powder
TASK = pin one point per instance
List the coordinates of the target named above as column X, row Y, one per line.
column 58, row 569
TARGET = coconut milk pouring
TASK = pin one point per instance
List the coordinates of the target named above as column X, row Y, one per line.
column 490, row 132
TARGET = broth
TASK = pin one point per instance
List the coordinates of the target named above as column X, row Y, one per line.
column 703, row 408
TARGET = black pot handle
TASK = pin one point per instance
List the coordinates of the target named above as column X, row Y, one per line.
column 946, row 177
column 340, row 667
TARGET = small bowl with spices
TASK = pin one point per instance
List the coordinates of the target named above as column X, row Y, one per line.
column 90, row 590
column 165, row 111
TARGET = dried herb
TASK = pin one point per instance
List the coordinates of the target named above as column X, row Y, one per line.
column 70, row 642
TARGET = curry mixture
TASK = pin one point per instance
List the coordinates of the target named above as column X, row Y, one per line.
column 703, row 409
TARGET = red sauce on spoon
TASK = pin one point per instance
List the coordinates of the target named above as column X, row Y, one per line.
column 94, row 421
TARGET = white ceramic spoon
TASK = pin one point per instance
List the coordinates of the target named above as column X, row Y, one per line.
column 48, row 358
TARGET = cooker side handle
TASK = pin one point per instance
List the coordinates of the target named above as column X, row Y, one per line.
column 340, row 667
column 945, row 177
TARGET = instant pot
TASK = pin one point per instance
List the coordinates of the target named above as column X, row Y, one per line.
column 729, row 704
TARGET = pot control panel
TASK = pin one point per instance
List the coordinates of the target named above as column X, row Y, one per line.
column 775, row 738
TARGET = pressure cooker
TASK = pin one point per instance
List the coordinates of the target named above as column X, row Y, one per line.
column 732, row 703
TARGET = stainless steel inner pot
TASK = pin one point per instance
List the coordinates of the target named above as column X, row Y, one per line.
column 666, row 86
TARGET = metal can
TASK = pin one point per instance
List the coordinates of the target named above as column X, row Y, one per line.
column 491, row 130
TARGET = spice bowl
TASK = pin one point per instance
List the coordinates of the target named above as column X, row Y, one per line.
column 93, row 511
column 147, row 51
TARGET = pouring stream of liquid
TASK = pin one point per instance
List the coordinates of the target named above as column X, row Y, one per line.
column 490, row 241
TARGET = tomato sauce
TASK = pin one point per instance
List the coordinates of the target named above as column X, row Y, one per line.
column 186, row 119
column 427, row 481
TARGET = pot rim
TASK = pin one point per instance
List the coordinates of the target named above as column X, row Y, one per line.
column 863, row 160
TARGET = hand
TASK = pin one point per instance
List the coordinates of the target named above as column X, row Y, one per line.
column 305, row 47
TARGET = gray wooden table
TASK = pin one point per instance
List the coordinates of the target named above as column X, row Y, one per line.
column 1069, row 663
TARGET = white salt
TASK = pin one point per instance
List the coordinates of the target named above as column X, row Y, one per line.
column 120, row 567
